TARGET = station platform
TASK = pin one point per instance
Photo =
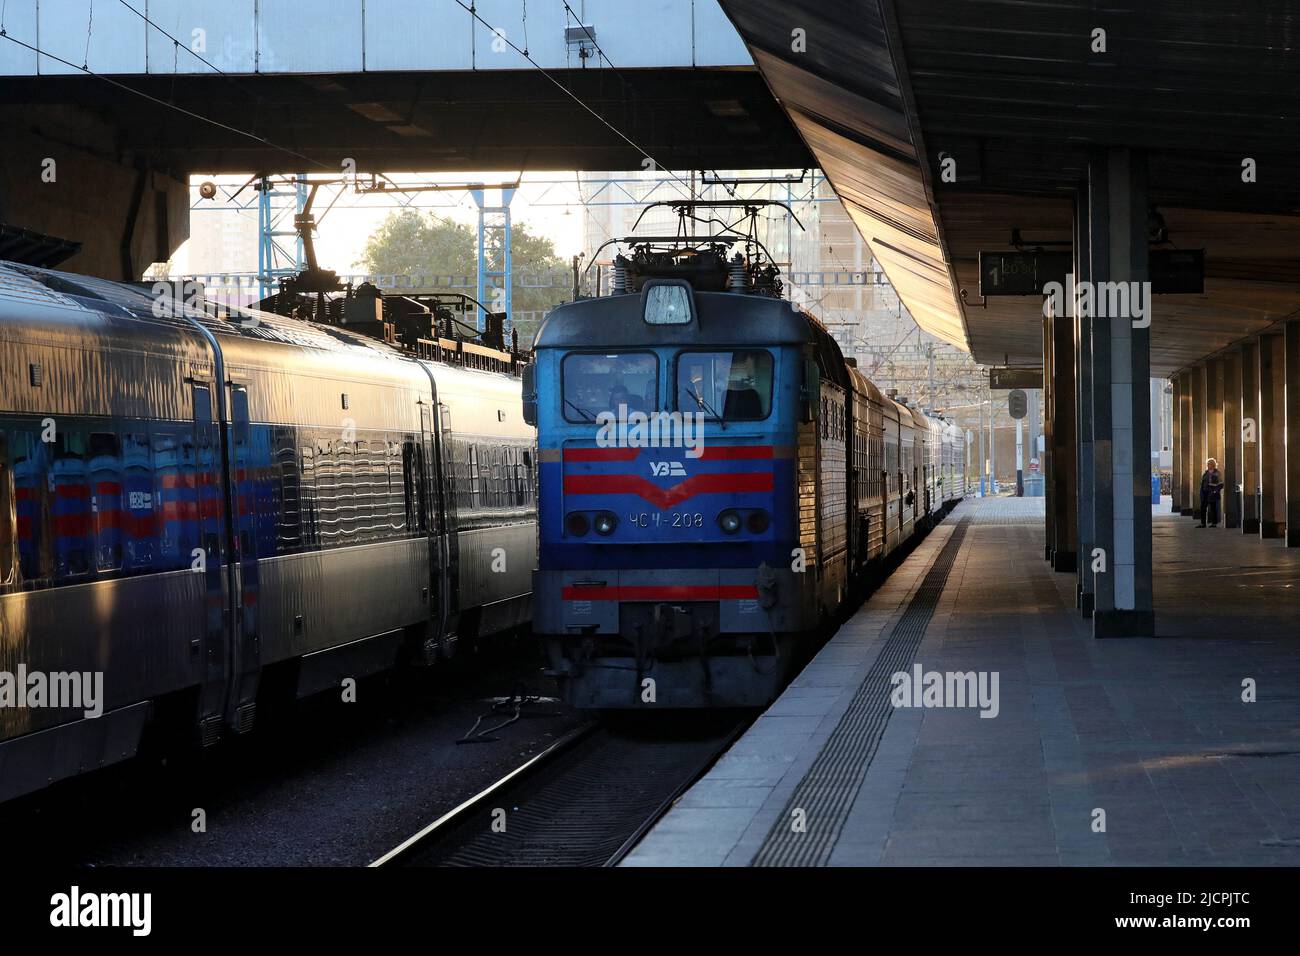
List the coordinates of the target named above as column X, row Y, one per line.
column 1101, row 752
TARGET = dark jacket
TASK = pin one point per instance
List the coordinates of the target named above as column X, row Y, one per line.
column 1211, row 484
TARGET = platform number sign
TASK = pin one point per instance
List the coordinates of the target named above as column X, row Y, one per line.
column 1017, row 404
column 1021, row 273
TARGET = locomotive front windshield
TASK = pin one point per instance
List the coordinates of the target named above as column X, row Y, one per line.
column 600, row 382
column 732, row 385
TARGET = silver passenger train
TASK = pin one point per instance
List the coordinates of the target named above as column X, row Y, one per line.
column 199, row 510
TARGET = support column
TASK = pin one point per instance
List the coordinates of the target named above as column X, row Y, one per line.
column 1121, row 372
column 1159, row 438
column 1176, row 481
column 1250, row 438
column 1065, row 498
column 1231, row 464
column 1048, row 462
column 1214, row 414
column 1214, row 410
column 1272, row 448
column 1085, row 598
column 1291, row 340
column 1191, row 477
column 1200, row 448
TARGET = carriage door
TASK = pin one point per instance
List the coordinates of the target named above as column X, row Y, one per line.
column 193, row 515
column 429, row 518
column 445, row 476
column 244, row 469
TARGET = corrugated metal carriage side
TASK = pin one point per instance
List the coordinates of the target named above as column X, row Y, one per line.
column 195, row 507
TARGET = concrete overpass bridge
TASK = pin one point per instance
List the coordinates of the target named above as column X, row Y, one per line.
column 129, row 97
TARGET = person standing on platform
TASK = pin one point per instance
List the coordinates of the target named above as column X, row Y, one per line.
column 1211, row 489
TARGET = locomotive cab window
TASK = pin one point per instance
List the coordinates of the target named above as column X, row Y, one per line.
column 728, row 386
column 601, row 382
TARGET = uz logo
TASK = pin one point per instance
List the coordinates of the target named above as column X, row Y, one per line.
column 667, row 469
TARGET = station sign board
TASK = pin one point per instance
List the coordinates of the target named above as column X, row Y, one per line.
column 1000, row 378
column 1171, row 271
column 1022, row 273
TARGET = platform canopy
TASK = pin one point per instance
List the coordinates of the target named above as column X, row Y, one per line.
column 1016, row 95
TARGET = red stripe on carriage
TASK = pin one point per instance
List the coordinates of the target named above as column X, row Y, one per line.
column 710, row 484
column 680, row 592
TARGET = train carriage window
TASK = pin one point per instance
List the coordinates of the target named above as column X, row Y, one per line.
column 31, row 505
column 399, row 524
column 104, row 467
column 730, row 386
column 474, row 492
column 371, row 509
column 309, row 505
column 345, row 484
column 390, row 506
column 322, row 463
column 138, row 501
column 288, row 519
column 70, row 506
column 166, row 524
column 593, row 383
column 8, row 520
column 413, row 483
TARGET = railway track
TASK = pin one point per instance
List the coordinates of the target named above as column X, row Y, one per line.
column 585, row 801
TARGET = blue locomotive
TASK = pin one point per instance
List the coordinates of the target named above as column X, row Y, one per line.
column 715, row 481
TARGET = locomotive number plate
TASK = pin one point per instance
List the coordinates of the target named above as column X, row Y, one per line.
column 677, row 519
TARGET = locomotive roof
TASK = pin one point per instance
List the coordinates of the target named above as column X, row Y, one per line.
column 723, row 319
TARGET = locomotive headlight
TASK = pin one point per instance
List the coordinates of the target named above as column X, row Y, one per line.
column 576, row 524
column 757, row 521
column 729, row 522
column 605, row 523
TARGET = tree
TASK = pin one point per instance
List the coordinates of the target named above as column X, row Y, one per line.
column 407, row 243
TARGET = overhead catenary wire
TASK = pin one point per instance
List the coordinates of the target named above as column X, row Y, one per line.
column 473, row 12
